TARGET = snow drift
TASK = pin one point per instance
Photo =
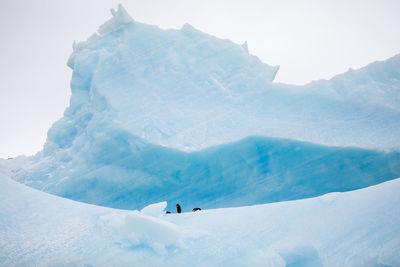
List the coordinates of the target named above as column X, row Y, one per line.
column 357, row 228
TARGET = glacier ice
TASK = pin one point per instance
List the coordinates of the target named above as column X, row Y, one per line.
column 186, row 117
column 121, row 171
column 187, row 90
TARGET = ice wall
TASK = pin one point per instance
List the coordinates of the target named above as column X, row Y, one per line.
column 123, row 171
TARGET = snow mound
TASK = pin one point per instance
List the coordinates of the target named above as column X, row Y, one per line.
column 155, row 209
column 359, row 228
column 329, row 198
column 141, row 229
column 297, row 253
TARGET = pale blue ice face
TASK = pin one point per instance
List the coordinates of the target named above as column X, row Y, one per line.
column 122, row 171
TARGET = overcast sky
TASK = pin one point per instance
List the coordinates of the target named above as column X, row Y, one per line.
column 309, row 39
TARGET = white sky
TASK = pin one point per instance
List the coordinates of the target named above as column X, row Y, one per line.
column 309, row 39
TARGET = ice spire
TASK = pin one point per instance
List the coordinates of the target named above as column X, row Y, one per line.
column 244, row 45
column 120, row 19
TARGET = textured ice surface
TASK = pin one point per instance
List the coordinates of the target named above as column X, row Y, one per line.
column 357, row 228
column 188, row 90
column 122, row 171
column 142, row 98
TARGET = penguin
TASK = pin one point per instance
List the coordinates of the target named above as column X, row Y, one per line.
column 178, row 208
column 196, row 209
column 168, row 212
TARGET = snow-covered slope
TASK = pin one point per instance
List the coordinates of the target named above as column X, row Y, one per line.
column 358, row 228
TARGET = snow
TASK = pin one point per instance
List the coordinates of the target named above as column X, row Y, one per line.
column 156, row 233
column 160, row 117
column 155, row 209
column 357, row 228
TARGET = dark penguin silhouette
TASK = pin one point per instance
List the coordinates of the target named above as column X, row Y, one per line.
column 167, row 212
column 196, row 209
column 178, row 208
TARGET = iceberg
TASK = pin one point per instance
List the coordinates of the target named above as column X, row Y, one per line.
column 182, row 116
column 285, row 175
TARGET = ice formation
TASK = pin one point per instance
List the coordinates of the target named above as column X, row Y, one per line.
column 357, row 228
column 180, row 115
column 184, row 117
column 125, row 172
